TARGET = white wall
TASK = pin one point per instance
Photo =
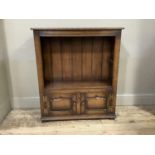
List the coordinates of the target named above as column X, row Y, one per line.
column 5, row 105
column 136, row 72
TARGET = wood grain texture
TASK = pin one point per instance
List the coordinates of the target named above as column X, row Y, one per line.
column 76, row 45
column 77, row 63
column 66, row 60
column 115, row 67
column 77, row 86
column 56, row 59
column 77, row 59
column 97, row 58
column 78, row 33
column 107, row 58
column 40, row 73
column 87, row 59
column 79, row 29
column 47, row 60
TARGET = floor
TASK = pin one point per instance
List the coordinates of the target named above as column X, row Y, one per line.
column 130, row 120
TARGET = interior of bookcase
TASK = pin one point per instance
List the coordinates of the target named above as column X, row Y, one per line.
column 77, row 62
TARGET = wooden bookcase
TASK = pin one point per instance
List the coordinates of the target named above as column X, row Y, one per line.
column 77, row 72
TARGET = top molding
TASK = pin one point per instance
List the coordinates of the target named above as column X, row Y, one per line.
column 81, row 29
column 77, row 32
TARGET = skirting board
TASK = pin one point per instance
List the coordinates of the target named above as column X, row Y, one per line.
column 122, row 99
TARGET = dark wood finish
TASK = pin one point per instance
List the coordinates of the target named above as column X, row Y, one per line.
column 66, row 60
column 75, row 59
column 77, row 72
column 39, row 69
column 78, row 117
column 56, row 62
column 97, row 58
column 79, row 29
column 87, row 58
column 76, row 46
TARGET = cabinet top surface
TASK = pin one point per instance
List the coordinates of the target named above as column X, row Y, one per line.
column 80, row 29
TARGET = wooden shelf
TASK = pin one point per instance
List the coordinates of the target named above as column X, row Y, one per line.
column 77, row 85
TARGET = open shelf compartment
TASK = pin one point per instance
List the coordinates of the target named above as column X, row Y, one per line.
column 77, row 62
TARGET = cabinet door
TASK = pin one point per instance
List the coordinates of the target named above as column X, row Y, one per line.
column 93, row 103
column 60, row 105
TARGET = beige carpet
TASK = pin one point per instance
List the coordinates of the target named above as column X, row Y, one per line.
column 130, row 120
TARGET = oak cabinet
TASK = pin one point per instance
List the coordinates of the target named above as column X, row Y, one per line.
column 77, row 72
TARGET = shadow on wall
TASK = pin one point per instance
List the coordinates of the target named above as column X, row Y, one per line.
column 122, row 76
column 5, row 105
column 25, row 79
column 136, row 82
column 145, row 70
column 7, row 64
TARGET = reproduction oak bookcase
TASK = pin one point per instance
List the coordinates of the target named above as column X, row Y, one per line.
column 77, row 72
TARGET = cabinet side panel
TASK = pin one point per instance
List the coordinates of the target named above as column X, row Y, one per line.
column 39, row 67
column 115, row 68
column 76, row 58
column 66, row 60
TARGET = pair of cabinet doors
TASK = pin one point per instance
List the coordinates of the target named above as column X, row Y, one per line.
column 78, row 104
